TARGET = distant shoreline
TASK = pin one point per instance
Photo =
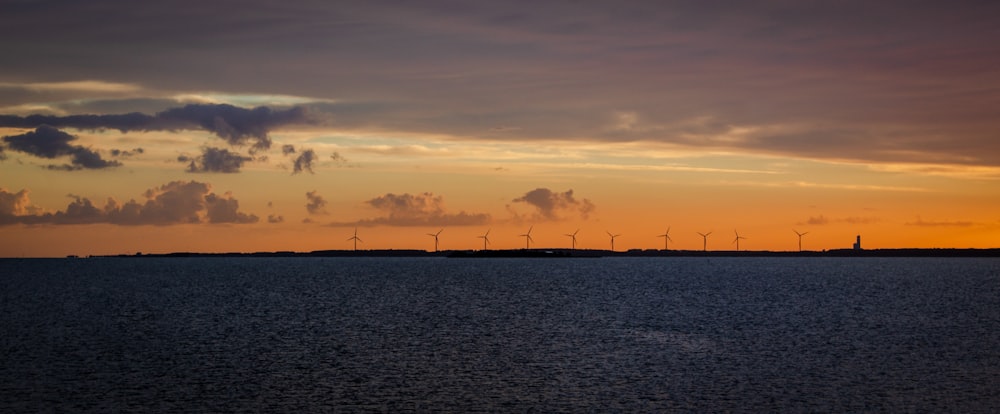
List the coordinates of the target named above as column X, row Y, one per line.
column 582, row 253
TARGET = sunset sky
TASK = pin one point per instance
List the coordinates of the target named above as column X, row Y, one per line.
column 216, row 126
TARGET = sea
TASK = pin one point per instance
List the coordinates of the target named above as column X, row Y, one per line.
column 434, row 334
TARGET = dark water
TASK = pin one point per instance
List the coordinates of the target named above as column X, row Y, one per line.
column 543, row 335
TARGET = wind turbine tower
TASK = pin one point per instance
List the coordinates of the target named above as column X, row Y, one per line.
column 527, row 238
column 737, row 239
column 573, row 236
column 355, row 238
column 800, row 238
column 612, row 239
column 435, row 236
column 704, row 241
column 486, row 238
column 666, row 239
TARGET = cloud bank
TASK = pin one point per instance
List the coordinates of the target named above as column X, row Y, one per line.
column 425, row 209
column 237, row 126
column 177, row 202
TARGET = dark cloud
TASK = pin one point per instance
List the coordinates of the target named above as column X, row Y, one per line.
column 287, row 149
column 550, row 205
column 126, row 153
column 237, row 126
column 48, row 142
column 304, row 162
column 176, row 202
column 424, row 209
column 275, row 219
column 215, row 160
column 316, row 204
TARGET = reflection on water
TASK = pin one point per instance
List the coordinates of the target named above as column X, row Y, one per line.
column 405, row 334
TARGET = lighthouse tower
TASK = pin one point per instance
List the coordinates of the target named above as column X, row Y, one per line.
column 857, row 243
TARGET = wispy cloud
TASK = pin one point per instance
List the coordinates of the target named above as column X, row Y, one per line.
column 944, row 223
column 316, row 204
column 823, row 220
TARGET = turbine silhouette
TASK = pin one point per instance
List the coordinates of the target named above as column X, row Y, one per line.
column 527, row 238
column 486, row 238
column 574, row 237
column 666, row 238
column 355, row 238
column 435, row 236
column 737, row 240
column 800, row 238
column 704, row 241
column 612, row 239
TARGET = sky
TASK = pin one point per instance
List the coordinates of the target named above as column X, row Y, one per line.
column 252, row 125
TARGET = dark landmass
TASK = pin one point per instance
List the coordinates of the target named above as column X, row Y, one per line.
column 587, row 253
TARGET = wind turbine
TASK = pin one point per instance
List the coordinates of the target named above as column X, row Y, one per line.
column 737, row 240
column 612, row 239
column 527, row 238
column 486, row 238
column 574, row 237
column 355, row 238
column 704, row 240
column 435, row 236
column 800, row 238
column 666, row 238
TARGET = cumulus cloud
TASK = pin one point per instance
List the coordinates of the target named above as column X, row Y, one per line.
column 316, row 204
column 275, row 219
column 14, row 204
column 177, row 202
column 424, row 209
column 225, row 209
column 215, row 160
column 287, row 149
column 549, row 205
column 235, row 125
column 48, row 142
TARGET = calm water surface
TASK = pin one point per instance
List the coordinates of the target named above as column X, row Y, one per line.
column 543, row 335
